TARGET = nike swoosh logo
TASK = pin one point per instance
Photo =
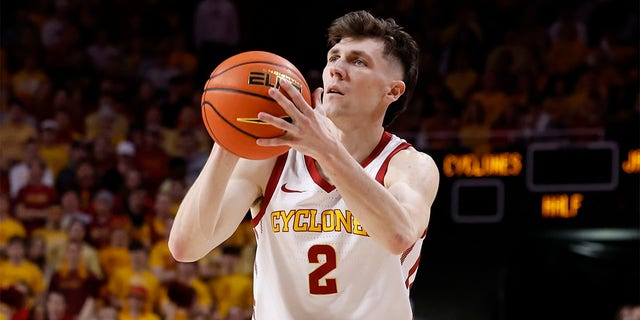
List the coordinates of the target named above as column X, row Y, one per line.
column 287, row 190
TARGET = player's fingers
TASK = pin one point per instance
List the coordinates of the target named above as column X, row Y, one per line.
column 317, row 101
column 295, row 95
column 287, row 105
column 278, row 122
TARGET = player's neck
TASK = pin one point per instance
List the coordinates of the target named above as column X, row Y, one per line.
column 360, row 141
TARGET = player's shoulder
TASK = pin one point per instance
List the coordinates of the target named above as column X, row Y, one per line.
column 415, row 163
column 412, row 156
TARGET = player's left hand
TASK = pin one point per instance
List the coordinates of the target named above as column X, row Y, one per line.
column 310, row 131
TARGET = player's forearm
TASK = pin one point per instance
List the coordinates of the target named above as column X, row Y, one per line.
column 375, row 207
column 192, row 234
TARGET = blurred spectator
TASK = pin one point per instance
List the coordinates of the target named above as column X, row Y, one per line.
column 159, row 71
column 132, row 180
column 134, row 275
column 103, row 218
column 56, row 306
column 187, row 294
column 37, row 253
column 13, row 304
column 175, row 189
column 104, row 54
column 86, row 183
column 567, row 20
column 70, row 207
column 116, row 253
column 232, row 288
column 181, row 57
column 475, row 131
column 190, row 118
column 15, row 131
column 19, row 173
column 67, row 176
column 106, row 121
column 193, row 154
column 163, row 208
column 138, row 210
column 22, row 274
column 54, row 239
column 54, row 152
column 161, row 262
column 462, row 78
column 438, row 130
column 9, row 226
column 177, row 96
column 463, row 34
column 491, row 97
column 59, row 35
column 67, row 133
column 568, row 51
column 89, row 255
column 74, row 280
column 510, row 59
column 103, row 156
column 114, row 178
column 31, row 84
column 34, row 200
column 135, row 305
column 153, row 122
column 152, row 158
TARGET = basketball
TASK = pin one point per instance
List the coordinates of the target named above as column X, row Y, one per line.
column 237, row 91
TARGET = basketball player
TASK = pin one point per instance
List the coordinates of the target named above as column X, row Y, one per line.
column 339, row 219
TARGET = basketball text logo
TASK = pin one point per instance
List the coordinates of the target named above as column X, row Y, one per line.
column 271, row 78
column 310, row 220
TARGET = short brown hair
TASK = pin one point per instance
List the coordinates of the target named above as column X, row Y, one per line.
column 397, row 43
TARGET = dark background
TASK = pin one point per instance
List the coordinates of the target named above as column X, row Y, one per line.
column 523, row 266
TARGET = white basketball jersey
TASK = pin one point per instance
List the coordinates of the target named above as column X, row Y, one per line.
column 314, row 260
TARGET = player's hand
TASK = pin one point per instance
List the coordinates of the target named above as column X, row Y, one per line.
column 310, row 131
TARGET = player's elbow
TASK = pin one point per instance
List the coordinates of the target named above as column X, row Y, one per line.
column 399, row 243
column 179, row 249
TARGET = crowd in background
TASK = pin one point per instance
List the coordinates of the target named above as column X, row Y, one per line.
column 101, row 135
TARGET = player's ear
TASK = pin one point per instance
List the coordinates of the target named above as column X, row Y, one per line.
column 396, row 90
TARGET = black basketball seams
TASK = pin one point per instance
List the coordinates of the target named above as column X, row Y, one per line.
column 209, row 105
column 249, row 93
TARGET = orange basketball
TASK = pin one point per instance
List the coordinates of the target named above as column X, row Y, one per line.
column 237, row 91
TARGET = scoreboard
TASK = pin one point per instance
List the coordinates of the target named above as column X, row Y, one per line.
column 580, row 184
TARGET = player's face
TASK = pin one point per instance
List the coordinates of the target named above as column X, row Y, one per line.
column 357, row 78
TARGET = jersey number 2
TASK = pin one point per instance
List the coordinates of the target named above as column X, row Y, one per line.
column 330, row 286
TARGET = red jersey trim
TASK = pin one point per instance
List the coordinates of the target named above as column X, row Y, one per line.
column 328, row 187
column 412, row 271
column 271, row 186
column 385, row 164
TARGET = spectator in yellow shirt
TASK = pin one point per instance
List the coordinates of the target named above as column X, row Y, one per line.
column 116, row 253
column 14, row 133
column 135, row 274
column 54, row 152
column 21, row 273
column 9, row 226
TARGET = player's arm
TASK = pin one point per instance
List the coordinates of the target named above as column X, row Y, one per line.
column 397, row 213
column 215, row 204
